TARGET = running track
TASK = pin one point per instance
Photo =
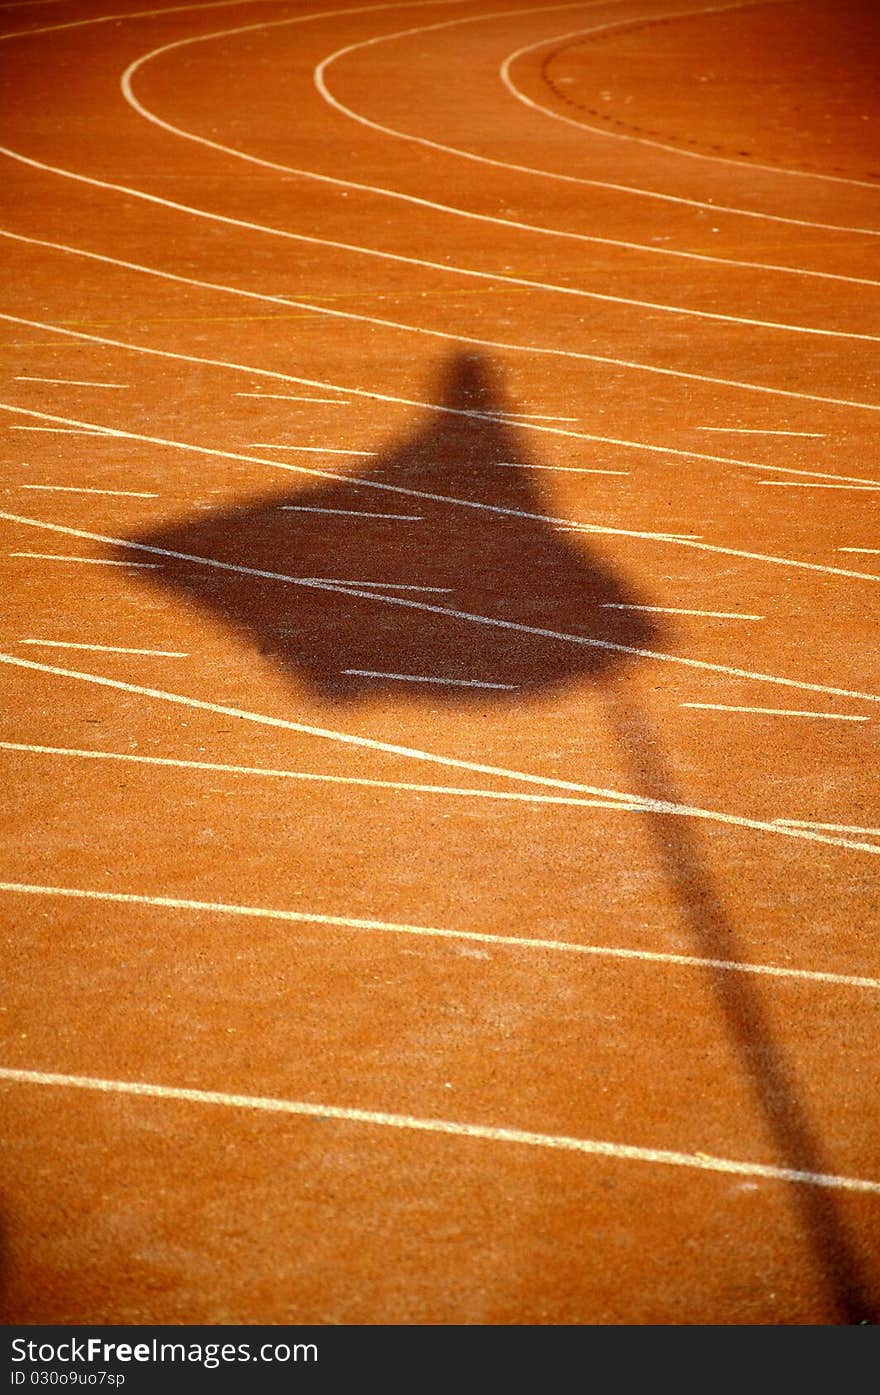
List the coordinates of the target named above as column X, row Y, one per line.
column 439, row 528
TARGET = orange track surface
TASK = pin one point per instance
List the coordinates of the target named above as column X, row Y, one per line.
column 439, row 534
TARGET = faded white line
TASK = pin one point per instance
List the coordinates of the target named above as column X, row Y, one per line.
column 313, row 450
column 775, row 711
column 67, row 382
column 829, row 827
column 559, row 469
column 809, row 484
column 93, row 561
column 424, row 678
column 79, row 489
column 288, row 397
column 762, row 431
column 618, row 802
column 414, row 753
column 400, row 327
column 677, row 610
column 380, row 585
column 703, row 1162
column 874, row 551
column 61, row 431
column 515, row 942
column 351, row 513
column 104, row 648
column 446, row 612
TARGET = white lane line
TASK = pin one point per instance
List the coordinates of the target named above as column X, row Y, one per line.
column 351, row 513
column 380, row 585
column 320, row 82
column 81, row 489
column 677, row 610
column 456, row 211
column 60, row 431
column 398, row 326
column 763, row 431
column 446, row 612
column 313, row 450
column 619, row 803
column 67, row 382
column 118, row 18
column 92, row 561
column 700, row 1161
column 414, row 753
column 874, row 551
column 810, row 484
column 529, row 416
column 380, row 396
column 289, row 397
column 446, row 268
column 104, row 648
column 774, row 711
column 397, row 928
column 559, row 469
column 422, row 678
column 830, row 827
column 647, row 140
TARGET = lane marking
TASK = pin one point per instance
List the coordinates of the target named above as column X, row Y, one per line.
column 66, row 382
column 774, row 711
column 351, row 513
column 81, row 489
column 59, row 431
column 381, row 585
column 398, row 326
column 447, row 612
column 701, row 1161
column 414, row 753
column 446, row 268
column 763, row 431
column 313, row 450
column 104, row 648
column 559, row 469
column 646, row 140
column 480, row 937
column 619, row 802
column 831, row 827
column 874, row 551
column 93, row 561
column 685, row 540
column 118, row 18
column 677, row 610
column 289, row 397
column 809, row 484
column 421, row 678
column 530, row 416
column 455, row 210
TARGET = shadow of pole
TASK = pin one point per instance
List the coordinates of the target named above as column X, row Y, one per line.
column 771, row 1079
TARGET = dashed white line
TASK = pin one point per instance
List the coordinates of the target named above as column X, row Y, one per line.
column 423, row 678
column 313, row 450
column 350, row 513
column 92, row 561
column 81, row 489
column 560, row 469
column 762, row 431
column 775, row 711
column 68, row 382
column 597, row 1148
column 677, row 610
column 104, row 648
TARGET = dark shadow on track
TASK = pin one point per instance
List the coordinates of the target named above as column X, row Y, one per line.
column 446, row 603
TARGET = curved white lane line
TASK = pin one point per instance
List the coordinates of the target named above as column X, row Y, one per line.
column 646, row 140
column 592, row 1147
column 652, row 806
column 449, row 269
column 134, row 14
column 448, row 613
column 454, row 210
column 321, row 84
column 458, row 339
column 394, row 927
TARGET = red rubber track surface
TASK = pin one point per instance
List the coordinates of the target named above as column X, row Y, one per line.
column 439, row 739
